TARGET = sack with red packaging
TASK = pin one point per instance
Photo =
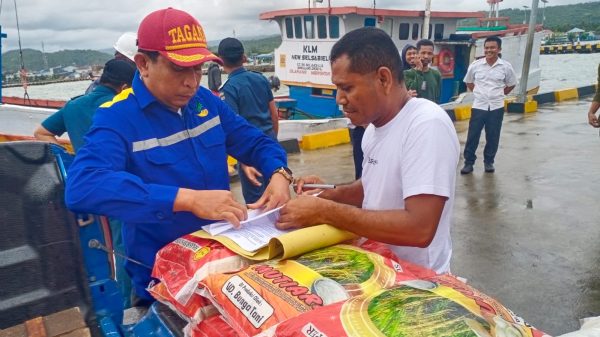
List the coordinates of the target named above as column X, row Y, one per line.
column 181, row 264
column 266, row 294
column 195, row 310
column 214, row 326
column 440, row 306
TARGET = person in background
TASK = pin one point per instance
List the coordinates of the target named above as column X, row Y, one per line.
column 421, row 80
column 249, row 94
column 490, row 79
column 156, row 155
column 214, row 77
column 406, row 194
column 125, row 49
column 592, row 118
column 75, row 117
column 409, row 56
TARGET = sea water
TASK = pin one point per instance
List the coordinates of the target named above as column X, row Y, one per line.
column 560, row 71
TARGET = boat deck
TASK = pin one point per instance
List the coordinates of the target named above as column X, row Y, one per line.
column 528, row 234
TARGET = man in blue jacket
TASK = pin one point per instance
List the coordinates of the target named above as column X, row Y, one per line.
column 156, row 155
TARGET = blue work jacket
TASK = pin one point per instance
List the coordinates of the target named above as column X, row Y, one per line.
column 138, row 153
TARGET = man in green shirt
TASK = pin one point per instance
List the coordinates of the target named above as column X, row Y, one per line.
column 424, row 82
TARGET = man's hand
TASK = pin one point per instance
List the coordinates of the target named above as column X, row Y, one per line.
column 412, row 93
column 299, row 185
column 276, row 194
column 593, row 120
column 41, row 133
column 303, row 211
column 252, row 174
column 211, row 205
column 418, row 63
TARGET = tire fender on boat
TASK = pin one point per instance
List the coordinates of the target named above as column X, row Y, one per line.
column 446, row 61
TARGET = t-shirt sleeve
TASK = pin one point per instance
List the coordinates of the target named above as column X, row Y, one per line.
column 430, row 159
column 55, row 123
column 409, row 79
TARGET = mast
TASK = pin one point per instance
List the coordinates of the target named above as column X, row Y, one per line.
column 425, row 34
column 494, row 9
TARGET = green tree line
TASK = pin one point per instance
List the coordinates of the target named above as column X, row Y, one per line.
column 34, row 59
column 558, row 18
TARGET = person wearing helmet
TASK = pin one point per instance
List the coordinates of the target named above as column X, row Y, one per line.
column 126, row 46
column 125, row 49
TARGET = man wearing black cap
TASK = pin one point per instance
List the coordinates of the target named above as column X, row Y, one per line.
column 75, row 117
column 248, row 93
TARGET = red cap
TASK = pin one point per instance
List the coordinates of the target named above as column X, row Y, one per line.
column 177, row 36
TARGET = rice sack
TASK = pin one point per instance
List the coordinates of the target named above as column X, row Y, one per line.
column 181, row 264
column 269, row 293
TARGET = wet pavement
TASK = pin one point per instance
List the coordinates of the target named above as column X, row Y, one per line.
column 529, row 234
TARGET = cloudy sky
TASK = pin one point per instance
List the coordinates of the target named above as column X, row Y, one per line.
column 96, row 24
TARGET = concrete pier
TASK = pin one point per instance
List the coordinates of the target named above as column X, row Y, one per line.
column 529, row 234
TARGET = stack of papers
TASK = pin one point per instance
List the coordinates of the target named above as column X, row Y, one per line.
column 254, row 233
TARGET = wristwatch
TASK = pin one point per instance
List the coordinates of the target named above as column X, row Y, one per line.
column 286, row 173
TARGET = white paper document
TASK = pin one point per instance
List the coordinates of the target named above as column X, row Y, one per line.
column 254, row 233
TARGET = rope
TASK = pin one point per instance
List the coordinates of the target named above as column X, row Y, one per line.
column 23, row 71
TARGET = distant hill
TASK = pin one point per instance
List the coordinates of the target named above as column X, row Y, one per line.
column 254, row 46
column 34, row 60
column 559, row 18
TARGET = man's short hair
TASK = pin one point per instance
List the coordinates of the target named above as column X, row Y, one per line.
column 231, row 51
column 152, row 55
column 117, row 72
column 424, row 42
column 493, row 39
column 368, row 49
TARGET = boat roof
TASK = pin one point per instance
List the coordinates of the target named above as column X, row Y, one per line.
column 367, row 11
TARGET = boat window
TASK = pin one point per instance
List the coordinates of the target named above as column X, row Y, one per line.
column 415, row 31
column 439, row 31
column 298, row 27
column 404, row 30
column 321, row 27
column 289, row 28
column 334, row 27
column 388, row 26
column 369, row 22
column 309, row 27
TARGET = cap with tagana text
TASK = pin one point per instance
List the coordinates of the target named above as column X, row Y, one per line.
column 177, row 36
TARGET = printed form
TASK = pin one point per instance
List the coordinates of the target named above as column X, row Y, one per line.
column 254, row 233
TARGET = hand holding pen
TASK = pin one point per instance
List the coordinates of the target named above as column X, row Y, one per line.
column 310, row 185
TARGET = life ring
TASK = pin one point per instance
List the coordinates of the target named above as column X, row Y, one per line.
column 446, row 61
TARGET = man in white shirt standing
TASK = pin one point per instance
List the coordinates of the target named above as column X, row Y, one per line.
column 406, row 194
column 490, row 79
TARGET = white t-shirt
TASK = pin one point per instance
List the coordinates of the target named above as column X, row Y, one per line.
column 415, row 153
column 490, row 82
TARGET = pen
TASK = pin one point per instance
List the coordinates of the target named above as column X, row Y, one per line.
column 321, row 186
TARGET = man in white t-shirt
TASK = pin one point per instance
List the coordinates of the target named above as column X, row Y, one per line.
column 406, row 194
column 490, row 79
